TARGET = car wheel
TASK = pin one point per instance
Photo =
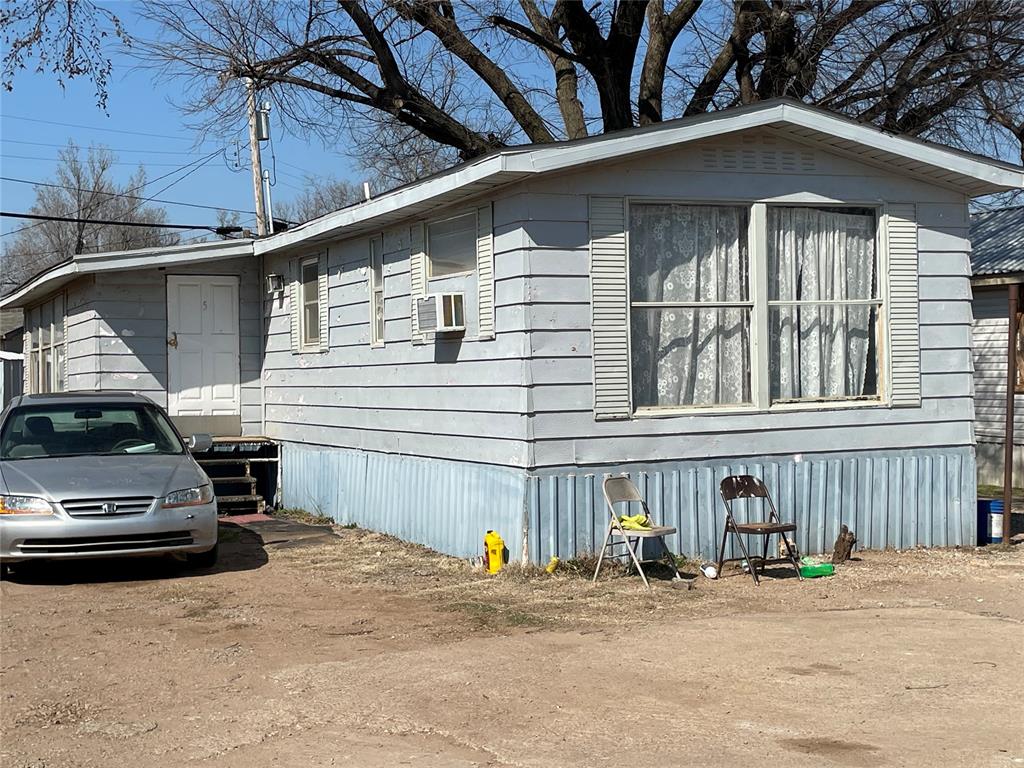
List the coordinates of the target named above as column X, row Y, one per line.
column 206, row 559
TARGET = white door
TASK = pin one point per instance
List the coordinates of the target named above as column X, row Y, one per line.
column 202, row 345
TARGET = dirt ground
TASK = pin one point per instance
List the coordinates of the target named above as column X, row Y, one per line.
column 356, row 650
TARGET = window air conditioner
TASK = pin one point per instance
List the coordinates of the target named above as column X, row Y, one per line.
column 441, row 313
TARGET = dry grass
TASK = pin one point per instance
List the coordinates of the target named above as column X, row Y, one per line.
column 526, row 597
column 302, row 516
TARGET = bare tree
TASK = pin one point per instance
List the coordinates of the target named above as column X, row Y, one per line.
column 83, row 189
column 321, row 196
column 465, row 78
column 63, row 37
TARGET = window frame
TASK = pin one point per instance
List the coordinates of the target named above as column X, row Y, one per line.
column 757, row 255
column 304, row 344
column 426, row 244
column 33, row 354
column 375, row 286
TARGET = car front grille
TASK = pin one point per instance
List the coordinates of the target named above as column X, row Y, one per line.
column 108, row 507
column 121, row 543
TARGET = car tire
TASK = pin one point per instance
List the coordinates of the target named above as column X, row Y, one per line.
column 206, row 559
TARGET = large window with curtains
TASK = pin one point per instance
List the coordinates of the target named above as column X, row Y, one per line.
column 755, row 306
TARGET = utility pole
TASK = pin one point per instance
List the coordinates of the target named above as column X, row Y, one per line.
column 1013, row 312
column 257, row 163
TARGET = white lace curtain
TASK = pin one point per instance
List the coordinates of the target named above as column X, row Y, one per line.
column 686, row 355
column 821, row 350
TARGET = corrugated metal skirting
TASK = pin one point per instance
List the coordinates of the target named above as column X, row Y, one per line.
column 445, row 505
column 899, row 500
column 895, row 499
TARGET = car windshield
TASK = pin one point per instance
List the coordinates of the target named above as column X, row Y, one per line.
column 86, row 429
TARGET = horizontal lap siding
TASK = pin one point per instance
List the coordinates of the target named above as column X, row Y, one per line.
column 559, row 316
column 990, row 307
column 117, row 330
column 461, row 399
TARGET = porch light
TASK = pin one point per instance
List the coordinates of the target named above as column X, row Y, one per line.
column 275, row 283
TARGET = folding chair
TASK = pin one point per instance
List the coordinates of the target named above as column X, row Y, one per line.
column 621, row 490
column 750, row 487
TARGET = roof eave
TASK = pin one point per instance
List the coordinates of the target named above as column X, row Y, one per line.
column 118, row 261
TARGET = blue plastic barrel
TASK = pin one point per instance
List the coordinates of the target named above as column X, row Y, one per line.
column 990, row 521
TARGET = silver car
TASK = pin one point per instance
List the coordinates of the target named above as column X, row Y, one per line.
column 101, row 474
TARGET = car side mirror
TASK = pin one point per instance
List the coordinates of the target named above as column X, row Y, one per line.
column 200, row 443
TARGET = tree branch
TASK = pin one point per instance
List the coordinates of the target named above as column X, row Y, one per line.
column 662, row 31
column 445, row 29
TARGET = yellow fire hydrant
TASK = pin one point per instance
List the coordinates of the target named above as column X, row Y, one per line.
column 494, row 552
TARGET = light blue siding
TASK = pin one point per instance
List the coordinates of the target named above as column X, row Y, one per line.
column 445, row 505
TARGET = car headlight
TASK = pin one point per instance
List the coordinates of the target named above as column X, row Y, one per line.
column 24, row 505
column 189, row 497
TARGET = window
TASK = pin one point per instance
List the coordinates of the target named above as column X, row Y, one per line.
column 309, row 302
column 823, row 304
column 752, row 305
column 45, row 352
column 86, row 429
column 691, row 307
column 376, row 284
column 451, row 246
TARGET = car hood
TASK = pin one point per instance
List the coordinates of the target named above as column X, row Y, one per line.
column 83, row 477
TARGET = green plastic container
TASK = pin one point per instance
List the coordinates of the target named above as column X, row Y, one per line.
column 817, row 571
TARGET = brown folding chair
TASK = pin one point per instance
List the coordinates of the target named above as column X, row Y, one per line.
column 749, row 487
column 619, row 490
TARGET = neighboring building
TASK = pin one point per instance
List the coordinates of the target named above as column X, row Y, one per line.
column 11, row 376
column 770, row 289
column 997, row 261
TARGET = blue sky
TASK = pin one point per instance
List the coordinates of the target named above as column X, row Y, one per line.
column 142, row 125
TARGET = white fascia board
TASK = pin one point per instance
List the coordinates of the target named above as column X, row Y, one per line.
column 515, row 163
column 559, row 157
column 49, row 280
column 486, row 169
column 547, row 159
column 163, row 257
column 990, row 173
column 117, row 261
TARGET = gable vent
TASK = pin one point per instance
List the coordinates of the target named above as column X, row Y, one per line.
column 759, row 157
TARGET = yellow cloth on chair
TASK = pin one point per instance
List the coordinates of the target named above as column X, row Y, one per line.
column 635, row 522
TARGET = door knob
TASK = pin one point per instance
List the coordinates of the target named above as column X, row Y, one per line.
column 173, row 341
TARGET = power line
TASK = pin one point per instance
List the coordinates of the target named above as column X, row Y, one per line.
column 116, row 194
column 95, row 128
column 115, row 162
column 110, row 149
column 201, row 162
column 114, row 222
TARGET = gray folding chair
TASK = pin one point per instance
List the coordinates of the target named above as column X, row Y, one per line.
column 620, row 490
column 750, row 487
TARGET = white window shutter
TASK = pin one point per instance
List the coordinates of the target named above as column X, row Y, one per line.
column 294, row 309
column 26, row 359
column 64, row 362
column 904, row 305
column 417, row 275
column 323, row 302
column 485, row 271
column 609, row 289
